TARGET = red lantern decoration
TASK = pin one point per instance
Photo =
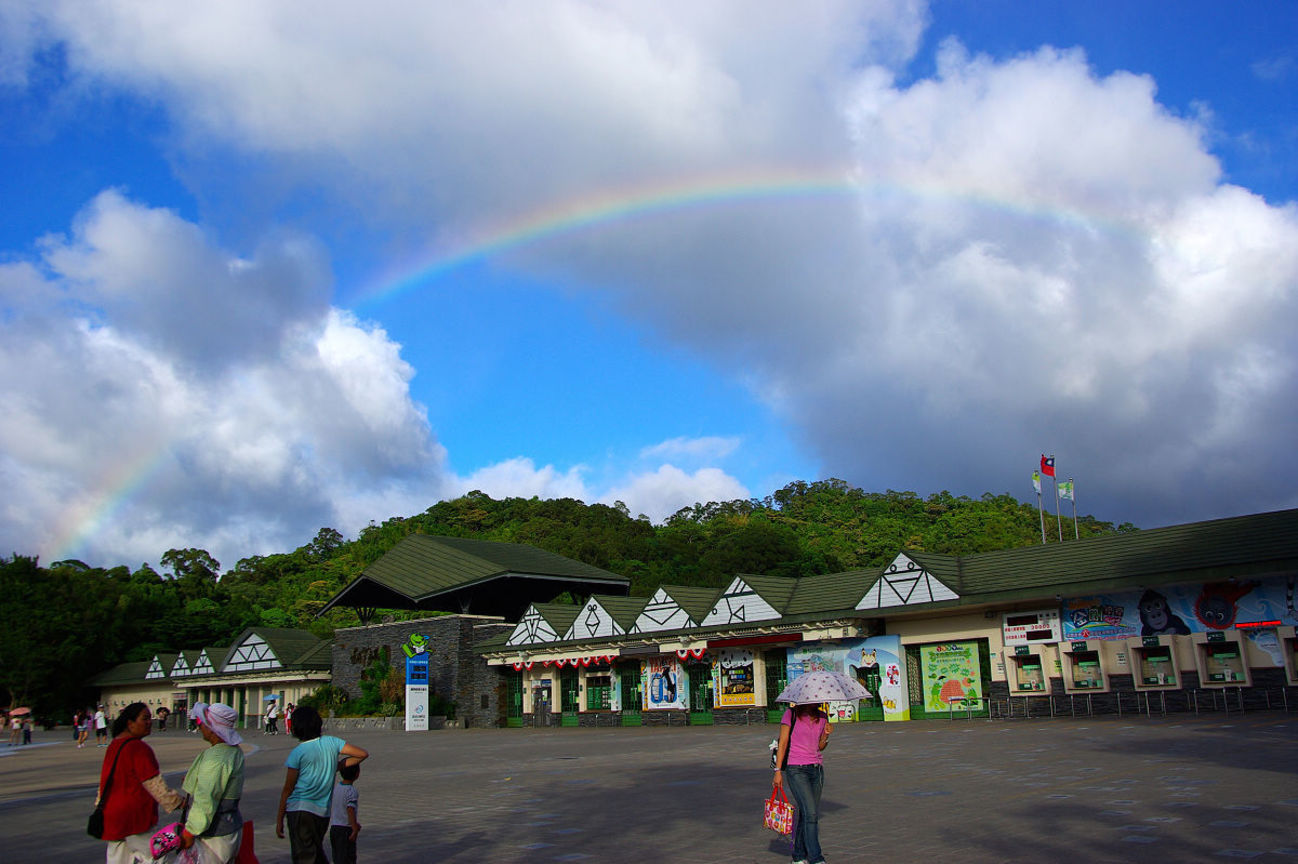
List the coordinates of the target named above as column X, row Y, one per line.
column 527, row 665
column 585, row 661
column 518, row 667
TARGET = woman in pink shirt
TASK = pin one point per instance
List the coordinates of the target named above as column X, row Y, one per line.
column 804, row 732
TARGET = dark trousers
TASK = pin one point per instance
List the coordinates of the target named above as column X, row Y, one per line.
column 306, row 834
column 342, row 844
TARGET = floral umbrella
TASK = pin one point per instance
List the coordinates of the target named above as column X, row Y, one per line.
column 821, row 686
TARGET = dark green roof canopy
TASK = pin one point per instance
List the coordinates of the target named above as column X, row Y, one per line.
column 456, row 574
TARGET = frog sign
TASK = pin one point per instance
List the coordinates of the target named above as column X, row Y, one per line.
column 415, row 645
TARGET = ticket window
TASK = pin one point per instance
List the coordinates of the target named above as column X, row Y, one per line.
column 1153, row 663
column 1026, row 673
column 1220, row 660
column 1289, row 646
column 1083, row 667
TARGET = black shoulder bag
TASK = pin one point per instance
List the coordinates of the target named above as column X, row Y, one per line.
column 95, row 825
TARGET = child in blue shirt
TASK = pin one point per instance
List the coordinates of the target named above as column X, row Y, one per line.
column 309, row 785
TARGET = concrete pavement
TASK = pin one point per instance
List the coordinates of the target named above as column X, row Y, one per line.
column 1203, row 788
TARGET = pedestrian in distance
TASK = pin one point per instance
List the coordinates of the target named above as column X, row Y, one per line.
column 343, row 824
column 306, row 800
column 804, row 733
column 272, row 718
column 101, row 726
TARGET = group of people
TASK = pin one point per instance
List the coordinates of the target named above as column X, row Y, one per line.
column 84, row 721
column 19, row 726
column 272, row 719
column 132, row 789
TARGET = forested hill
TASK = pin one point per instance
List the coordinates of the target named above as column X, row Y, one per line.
column 67, row 616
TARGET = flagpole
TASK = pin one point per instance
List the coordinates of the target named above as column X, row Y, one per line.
column 1036, row 484
column 1073, row 497
column 1059, row 520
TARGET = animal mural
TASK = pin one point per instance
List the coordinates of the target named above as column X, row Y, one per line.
column 868, row 673
column 951, row 676
column 1157, row 617
column 1215, row 607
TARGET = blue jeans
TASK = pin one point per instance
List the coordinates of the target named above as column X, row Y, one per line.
column 804, row 783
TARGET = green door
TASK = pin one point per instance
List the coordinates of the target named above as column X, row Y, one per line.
column 631, row 697
column 700, row 675
column 777, row 678
column 570, row 701
column 514, row 699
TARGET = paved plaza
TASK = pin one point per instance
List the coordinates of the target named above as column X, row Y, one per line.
column 1206, row 788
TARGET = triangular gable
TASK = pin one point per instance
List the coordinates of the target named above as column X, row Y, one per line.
column 156, row 669
column 905, row 583
column 180, row 668
column 739, row 604
column 593, row 622
column 532, row 627
column 204, row 666
column 252, row 654
column 662, row 612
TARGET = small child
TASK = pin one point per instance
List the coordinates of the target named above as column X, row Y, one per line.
column 343, row 826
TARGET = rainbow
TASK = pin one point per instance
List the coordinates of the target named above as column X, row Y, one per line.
column 610, row 206
column 96, row 507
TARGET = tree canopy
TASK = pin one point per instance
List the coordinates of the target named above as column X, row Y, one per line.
column 70, row 616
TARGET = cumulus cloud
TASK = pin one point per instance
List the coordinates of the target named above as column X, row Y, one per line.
column 159, row 391
column 1008, row 257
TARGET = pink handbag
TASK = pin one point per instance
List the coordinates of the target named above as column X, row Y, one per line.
column 779, row 812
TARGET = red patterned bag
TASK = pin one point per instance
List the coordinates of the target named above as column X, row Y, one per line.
column 779, row 812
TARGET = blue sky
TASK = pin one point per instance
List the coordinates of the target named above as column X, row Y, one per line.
column 260, row 276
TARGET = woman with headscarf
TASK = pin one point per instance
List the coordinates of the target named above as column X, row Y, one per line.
column 131, row 787
column 213, row 825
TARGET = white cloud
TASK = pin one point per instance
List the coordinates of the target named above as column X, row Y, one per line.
column 660, row 493
column 159, row 392
column 1035, row 258
column 711, row 447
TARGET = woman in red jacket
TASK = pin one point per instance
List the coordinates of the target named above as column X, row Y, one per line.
column 131, row 799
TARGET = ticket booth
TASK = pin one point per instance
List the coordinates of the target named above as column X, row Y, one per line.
column 1289, row 647
column 1153, row 663
column 1219, row 657
column 1083, row 667
column 1026, row 671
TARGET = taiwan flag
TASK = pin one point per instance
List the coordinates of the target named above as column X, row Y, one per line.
column 1047, row 465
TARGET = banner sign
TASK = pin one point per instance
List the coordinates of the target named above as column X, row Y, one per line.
column 416, row 683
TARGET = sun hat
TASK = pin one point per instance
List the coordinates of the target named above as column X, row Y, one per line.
column 220, row 719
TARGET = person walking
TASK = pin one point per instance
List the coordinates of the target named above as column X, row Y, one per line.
column 804, row 733
column 213, row 826
column 306, row 799
column 272, row 718
column 344, row 825
column 131, row 788
column 101, row 727
column 87, row 718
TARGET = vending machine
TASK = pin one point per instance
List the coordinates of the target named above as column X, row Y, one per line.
column 1153, row 662
column 1083, row 664
column 1289, row 647
column 1025, row 670
column 1219, row 657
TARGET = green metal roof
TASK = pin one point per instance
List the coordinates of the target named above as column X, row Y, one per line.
column 828, row 592
column 291, row 646
column 696, row 602
column 425, row 571
column 558, row 615
column 623, row 610
column 1238, row 547
column 775, row 590
column 123, row 673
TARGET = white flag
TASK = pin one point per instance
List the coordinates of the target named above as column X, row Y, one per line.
column 1036, row 481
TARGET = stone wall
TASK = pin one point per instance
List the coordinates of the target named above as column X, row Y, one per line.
column 455, row 671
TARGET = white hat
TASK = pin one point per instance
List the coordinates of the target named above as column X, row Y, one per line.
column 220, row 719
